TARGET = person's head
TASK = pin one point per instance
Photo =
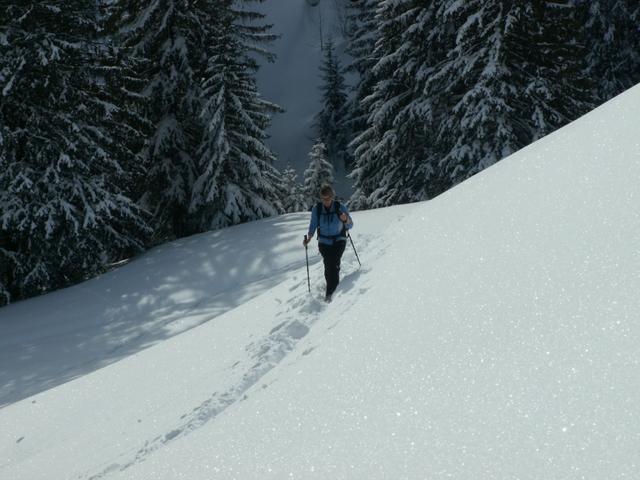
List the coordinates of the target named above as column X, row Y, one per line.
column 327, row 195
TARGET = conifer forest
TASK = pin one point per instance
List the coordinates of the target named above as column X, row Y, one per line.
column 125, row 124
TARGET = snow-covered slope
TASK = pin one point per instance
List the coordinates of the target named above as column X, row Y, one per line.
column 49, row 340
column 491, row 333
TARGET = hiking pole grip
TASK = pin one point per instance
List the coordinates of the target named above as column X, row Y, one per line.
column 306, row 254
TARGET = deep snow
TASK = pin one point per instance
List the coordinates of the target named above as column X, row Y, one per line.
column 491, row 333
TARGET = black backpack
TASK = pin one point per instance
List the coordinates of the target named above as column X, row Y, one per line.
column 320, row 210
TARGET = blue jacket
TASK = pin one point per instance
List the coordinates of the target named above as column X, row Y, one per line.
column 329, row 223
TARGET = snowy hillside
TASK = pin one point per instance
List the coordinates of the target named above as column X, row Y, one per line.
column 491, row 333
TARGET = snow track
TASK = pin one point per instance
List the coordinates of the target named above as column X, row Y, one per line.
column 298, row 315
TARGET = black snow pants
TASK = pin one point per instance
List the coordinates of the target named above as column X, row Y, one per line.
column 331, row 255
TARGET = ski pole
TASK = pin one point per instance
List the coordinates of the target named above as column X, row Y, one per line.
column 354, row 248
column 306, row 254
column 351, row 240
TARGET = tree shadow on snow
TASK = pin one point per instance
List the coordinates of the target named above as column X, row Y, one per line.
column 53, row 339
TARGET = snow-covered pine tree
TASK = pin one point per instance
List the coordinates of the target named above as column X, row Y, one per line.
column 65, row 213
column 479, row 86
column 166, row 38
column 613, row 53
column 318, row 173
column 511, row 76
column 7, row 266
column 332, row 121
column 8, row 250
column 236, row 179
column 362, row 36
column 393, row 160
column 124, row 80
column 458, row 87
column 295, row 199
column 557, row 89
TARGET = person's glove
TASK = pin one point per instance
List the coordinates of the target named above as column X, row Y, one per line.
column 306, row 241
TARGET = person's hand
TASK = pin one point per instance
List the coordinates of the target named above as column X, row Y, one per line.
column 344, row 217
column 306, row 241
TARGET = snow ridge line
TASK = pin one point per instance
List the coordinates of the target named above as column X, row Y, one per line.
column 301, row 311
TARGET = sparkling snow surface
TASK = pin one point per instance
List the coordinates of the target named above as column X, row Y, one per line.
column 491, row 333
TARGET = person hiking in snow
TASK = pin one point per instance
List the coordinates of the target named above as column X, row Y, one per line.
column 332, row 220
